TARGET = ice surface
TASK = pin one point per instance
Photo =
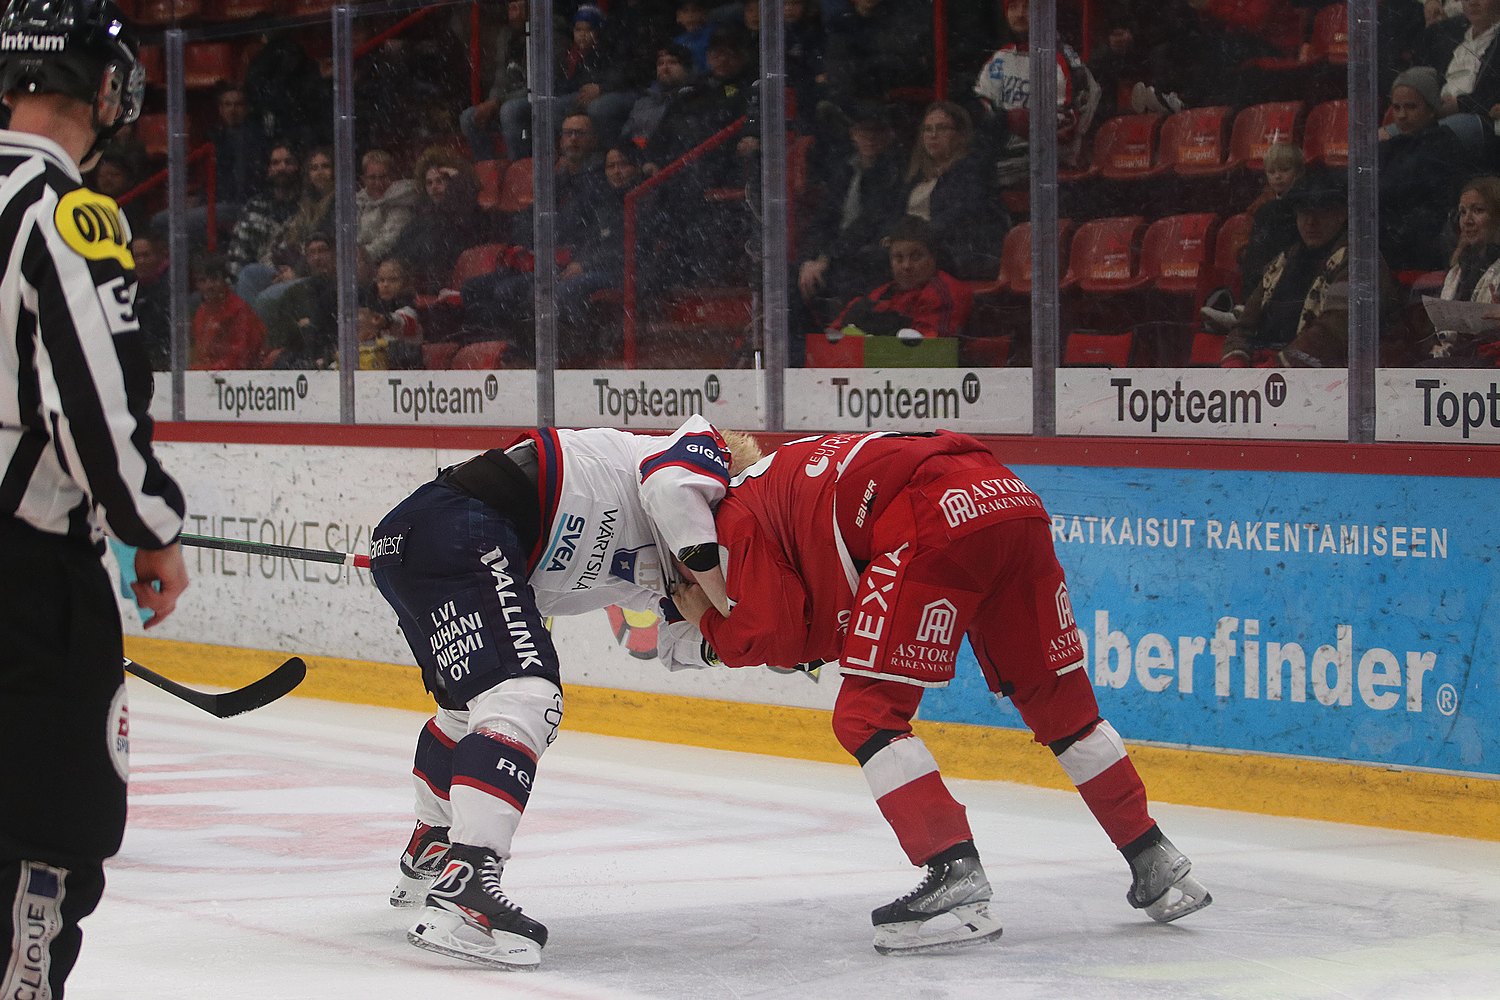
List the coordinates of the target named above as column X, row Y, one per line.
column 261, row 850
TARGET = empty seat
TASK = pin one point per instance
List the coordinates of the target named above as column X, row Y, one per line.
column 1330, row 35
column 1208, row 348
column 160, row 13
column 1326, row 135
column 236, row 10
column 1125, row 147
column 1104, row 258
column 1176, row 250
column 154, row 62
column 1109, row 349
column 1233, row 235
column 482, row 356
column 1014, row 277
column 1193, row 140
column 984, row 352
column 1255, row 129
column 516, row 189
column 490, row 175
column 207, row 64
column 151, row 131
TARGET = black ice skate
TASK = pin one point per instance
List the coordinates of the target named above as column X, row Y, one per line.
column 468, row 916
column 1161, row 883
column 949, row 909
column 421, row 863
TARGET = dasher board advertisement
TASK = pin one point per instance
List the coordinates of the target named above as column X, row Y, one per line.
column 975, row 400
column 1447, row 406
column 1303, row 404
column 462, row 398
column 283, row 397
column 659, row 400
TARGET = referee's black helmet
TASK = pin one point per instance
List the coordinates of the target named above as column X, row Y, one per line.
column 80, row 48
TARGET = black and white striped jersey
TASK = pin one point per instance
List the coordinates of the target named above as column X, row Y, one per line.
column 75, row 437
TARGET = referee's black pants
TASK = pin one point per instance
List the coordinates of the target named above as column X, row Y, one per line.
column 63, row 750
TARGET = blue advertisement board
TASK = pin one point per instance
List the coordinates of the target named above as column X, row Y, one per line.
column 1313, row 614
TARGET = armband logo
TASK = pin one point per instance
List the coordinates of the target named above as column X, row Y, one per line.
column 89, row 223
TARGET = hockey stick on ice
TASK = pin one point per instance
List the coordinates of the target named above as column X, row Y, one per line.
column 256, row 694
column 271, row 549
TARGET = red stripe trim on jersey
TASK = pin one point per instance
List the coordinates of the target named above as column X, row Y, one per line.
column 439, row 735
column 492, row 791
column 441, row 793
column 683, row 465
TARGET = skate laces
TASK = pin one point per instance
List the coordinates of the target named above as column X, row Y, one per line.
column 936, row 874
column 490, row 871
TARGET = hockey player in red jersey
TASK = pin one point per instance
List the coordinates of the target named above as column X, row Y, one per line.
column 884, row 551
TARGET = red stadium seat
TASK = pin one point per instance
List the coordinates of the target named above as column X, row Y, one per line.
column 515, row 190
column 1105, row 257
column 1208, row 348
column 984, row 352
column 1014, row 277
column 154, row 62
column 1192, row 140
column 236, row 10
column 1255, row 129
column 206, row 64
column 481, row 356
column 1176, row 250
column 151, row 131
column 1330, row 35
column 1325, row 139
column 476, row 261
column 1111, row 350
column 1233, row 235
column 161, row 13
column 491, row 176
column 1125, row 147
column 439, row 355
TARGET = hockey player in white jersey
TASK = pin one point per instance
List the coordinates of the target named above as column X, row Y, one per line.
column 561, row 523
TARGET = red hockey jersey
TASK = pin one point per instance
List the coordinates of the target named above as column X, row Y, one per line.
column 800, row 526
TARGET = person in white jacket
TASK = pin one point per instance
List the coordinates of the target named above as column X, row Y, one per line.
column 560, row 523
column 385, row 205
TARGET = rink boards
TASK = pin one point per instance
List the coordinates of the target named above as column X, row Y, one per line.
column 1304, row 643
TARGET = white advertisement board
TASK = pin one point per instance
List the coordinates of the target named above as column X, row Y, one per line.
column 1444, row 405
column 161, row 396
column 977, row 400
column 284, row 397
column 326, row 497
column 426, row 398
column 658, row 399
column 1295, row 404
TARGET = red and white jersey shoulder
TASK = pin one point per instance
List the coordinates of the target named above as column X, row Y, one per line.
column 620, row 505
column 1005, row 80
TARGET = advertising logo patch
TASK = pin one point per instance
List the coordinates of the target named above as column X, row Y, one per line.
column 89, row 223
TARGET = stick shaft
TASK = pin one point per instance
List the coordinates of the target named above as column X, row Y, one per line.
column 272, row 549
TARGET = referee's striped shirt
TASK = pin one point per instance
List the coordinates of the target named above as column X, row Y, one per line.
column 75, row 437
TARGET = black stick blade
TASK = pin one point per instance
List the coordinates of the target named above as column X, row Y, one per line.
column 257, row 694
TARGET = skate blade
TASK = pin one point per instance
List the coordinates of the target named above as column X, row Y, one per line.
column 961, row 927
column 411, row 891
column 1187, row 895
column 449, row 934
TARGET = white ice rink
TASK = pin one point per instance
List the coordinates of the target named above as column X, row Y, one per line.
column 261, row 849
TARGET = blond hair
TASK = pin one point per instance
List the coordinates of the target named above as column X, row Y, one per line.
column 744, row 450
column 1284, row 156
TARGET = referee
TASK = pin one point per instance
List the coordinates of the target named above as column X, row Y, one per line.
column 75, row 463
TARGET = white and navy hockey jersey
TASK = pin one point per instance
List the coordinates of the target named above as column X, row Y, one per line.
column 616, row 506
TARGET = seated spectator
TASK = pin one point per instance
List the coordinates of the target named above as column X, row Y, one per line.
column 1473, row 277
column 579, row 77
column 447, row 222
column 1119, row 65
column 509, row 84
column 1298, row 317
column 920, row 300
column 1421, row 168
column 265, row 215
column 805, row 70
column 115, row 176
column 1273, row 225
column 303, row 328
column 390, row 329
column 673, row 72
column 1004, row 92
column 240, row 150
column 1470, row 98
column 261, row 284
column 598, row 261
column 227, row 334
column 692, row 18
column 946, row 186
column 153, row 297
column 384, row 202
column 841, row 247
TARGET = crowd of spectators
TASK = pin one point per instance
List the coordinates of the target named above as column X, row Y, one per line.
column 878, row 163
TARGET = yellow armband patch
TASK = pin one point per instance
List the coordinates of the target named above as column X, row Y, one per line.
column 89, row 222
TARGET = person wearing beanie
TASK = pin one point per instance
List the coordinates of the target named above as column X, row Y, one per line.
column 1421, row 168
